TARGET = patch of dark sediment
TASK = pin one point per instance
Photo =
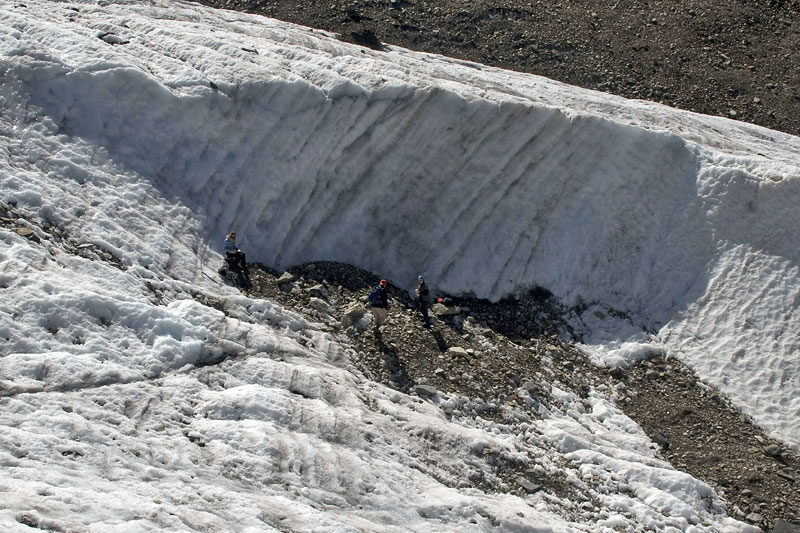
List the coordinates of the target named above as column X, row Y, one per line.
column 701, row 433
column 489, row 352
column 733, row 59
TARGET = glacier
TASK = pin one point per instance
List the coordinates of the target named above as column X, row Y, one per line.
column 147, row 130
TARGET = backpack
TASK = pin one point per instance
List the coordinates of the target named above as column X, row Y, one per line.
column 375, row 296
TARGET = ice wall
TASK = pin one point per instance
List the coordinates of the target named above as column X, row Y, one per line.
column 488, row 182
column 483, row 198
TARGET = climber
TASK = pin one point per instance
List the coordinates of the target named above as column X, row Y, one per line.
column 379, row 302
column 423, row 299
column 235, row 262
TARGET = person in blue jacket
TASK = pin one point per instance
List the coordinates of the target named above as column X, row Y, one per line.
column 380, row 309
column 234, row 257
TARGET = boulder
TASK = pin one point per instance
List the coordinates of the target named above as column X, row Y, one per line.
column 287, row 287
column 787, row 474
column 756, row 518
column 286, row 277
column 443, row 310
column 28, row 233
column 458, row 351
column 352, row 314
column 773, row 450
column 319, row 291
column 782, row 526
column 661, row 439
column 319, row 304
column 528, row 485
column 425, row 390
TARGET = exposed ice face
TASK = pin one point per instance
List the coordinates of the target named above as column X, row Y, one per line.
column 491, row 182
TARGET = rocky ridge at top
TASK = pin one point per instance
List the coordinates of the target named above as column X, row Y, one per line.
column 735, row 58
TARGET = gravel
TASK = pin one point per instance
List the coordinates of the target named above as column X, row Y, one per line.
column 732, row 58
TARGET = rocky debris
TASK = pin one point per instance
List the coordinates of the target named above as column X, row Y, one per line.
column 319, row 291
column 504, row 359
column 733, row 62
column 287, row 287
column 112, row 39
column 529, row 486
column 458, row 351
column 782, row 526
column 701, row 433
column 775, row 451
column 787, row 474
column 285, row 278
column 425, row 390
column 28, row 233
column 660, row 439
column 46, row 234
column 319, row 305
column 352, row 314
column 443, row 310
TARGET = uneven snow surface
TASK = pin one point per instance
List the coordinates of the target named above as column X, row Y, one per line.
column 135, row 134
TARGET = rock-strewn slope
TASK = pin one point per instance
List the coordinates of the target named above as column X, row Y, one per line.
column 490, row 352
column 735, row 58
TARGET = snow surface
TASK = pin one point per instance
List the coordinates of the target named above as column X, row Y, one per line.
column 136, row 134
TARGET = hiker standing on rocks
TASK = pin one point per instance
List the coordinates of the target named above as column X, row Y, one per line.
column 379, row 300
column 423, row 299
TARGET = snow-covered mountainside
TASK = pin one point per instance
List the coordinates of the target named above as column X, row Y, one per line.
column 135, row 134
